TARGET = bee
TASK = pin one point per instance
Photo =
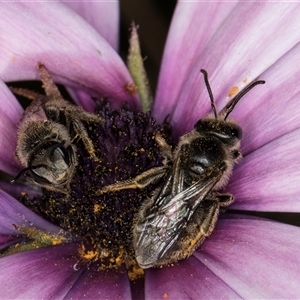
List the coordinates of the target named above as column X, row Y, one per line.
column 47, row 132
column 183, row 211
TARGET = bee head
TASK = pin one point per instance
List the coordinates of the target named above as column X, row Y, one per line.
column 51, row 164
column 228, row 132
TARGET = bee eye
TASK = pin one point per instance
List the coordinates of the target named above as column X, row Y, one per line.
column 30, row 171
column 63, row 153
column 59, row 151
column 237, row 132
column 227, row 132
column 34, row 174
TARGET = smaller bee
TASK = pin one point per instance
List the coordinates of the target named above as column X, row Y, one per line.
column 48, row 129
column 183, row 211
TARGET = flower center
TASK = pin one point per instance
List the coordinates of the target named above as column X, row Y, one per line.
column 126, row 147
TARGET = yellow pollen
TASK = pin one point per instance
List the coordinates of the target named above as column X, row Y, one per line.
column 97, row 208
column 233, row 91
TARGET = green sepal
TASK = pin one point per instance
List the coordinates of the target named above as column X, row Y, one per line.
column 136, row 68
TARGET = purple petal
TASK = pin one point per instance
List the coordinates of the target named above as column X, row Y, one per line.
column 190, row 31
column 16, row 189
column 259, row 259
column 96, row 284
column 82, row 98
column 8, row 240
column 45, row 273
column 189, row 279
column 271, row 110
column 53, row 273
column 13, row 212
column 10, row 111
column 246, row 44
column 70, row 48
column 268, row 178
column 103, row 16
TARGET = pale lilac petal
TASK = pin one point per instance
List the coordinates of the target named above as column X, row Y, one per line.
column 193, row 24
column 97, row 284
column 13, row 212
column 73, row 51
column 268, row 178
column 82, row 98
column 190, row 279
column 247, row 43
column 45, row 273
column 103, row 16
column 258, row 259
column 271, row 110
column 10, row 111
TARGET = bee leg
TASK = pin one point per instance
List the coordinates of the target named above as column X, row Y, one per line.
column 225, row 199
column 25, row 93
column 207, row 216
column 237, row 155
column 49, row 86
column 139, row 182
column 202, row 223
column 147, row 177
column 165, row 148
column 53, row 93
column 80, row 114
column 82, row 134
column 199, row 227
column 208, row 211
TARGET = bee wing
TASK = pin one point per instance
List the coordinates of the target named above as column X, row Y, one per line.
column 172, row 185
column 177, row 176
column 158, row 231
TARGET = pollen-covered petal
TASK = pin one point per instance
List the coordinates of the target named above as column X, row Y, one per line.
column 102, row 15
column 45, row 273
column 10, row 111
column 71, row 49
column 258, row 259
column 268, row 178
column 193, row 25
column 235, row 55
column 189, row 279
column 12, row 212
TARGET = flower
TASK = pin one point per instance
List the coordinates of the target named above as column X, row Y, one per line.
column 246, row 256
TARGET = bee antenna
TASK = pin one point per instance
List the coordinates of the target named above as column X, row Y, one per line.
column 19, row 175
column 230, row 106
column 24, row 171
column 212, row 102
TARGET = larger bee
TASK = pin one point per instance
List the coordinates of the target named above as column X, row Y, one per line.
column 47, row 133
column 183, row 211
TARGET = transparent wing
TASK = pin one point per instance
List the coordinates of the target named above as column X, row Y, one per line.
column 161, row 223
